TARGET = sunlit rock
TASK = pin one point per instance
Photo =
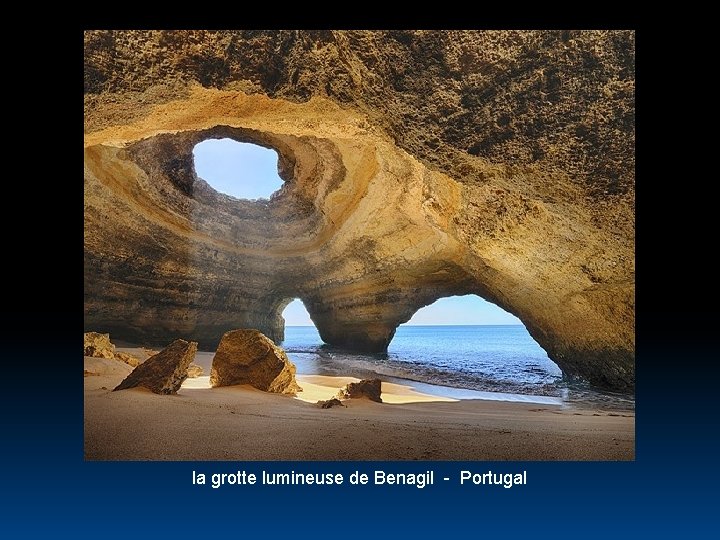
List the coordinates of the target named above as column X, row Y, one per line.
column 417, row 165
column 164, row 372
column 246, row 356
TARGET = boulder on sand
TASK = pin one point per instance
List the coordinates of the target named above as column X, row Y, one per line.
column 367, row 388
column 247, row 356
column 164, row 372
column 195, row 371
column 98, row 345
column 330, row 403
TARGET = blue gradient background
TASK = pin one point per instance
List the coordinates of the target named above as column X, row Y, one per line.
column 670, row 491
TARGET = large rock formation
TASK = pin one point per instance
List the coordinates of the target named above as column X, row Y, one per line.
column 246, row 356
column 165, row 372
column 417, row 165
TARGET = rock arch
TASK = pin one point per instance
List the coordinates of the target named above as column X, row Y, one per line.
column 383, row 210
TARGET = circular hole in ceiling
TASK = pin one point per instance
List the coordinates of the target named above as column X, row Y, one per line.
column 241, row 170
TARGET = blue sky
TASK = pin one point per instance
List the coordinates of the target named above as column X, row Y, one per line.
column 468, row 309
column 248, row 171
column 243, row 170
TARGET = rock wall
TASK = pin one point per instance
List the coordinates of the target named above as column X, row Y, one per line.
column 417, row 165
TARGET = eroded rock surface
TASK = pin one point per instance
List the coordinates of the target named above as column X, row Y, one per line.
column 195, row 371
column 164, row 372
column 129, row 359
column 417, row 165
column 366, row 388
column 246, row 356
column 330, row 403
column 99, row 345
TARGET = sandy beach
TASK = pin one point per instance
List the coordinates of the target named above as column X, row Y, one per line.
column 242, row 423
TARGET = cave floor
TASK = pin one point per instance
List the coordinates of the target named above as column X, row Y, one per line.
column 241, row 423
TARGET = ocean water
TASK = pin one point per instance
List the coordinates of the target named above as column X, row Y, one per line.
column 468, row 361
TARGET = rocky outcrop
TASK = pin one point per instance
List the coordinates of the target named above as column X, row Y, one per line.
column 98, row 345
column 330, row 403
column 129, row 359
column 417, row 165
column 165, row 372
column 246, row 356
column 195, row 371
column 366, row 388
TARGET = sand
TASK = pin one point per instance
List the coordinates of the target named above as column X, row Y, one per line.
column 241, row 423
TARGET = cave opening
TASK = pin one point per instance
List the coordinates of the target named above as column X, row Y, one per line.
column 295, row 314
column 302, row 342
column 462, row 310
column 300, row 332
column 467, row 341
column 463, row 342
column 239, row 169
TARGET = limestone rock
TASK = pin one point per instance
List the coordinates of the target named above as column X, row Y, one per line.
column 129, row 359
column 194, row 371
column 417, row 165
column 366, row 388
column 164, row 372
column 247, row 356
column 98, row 345
column 330, row 403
